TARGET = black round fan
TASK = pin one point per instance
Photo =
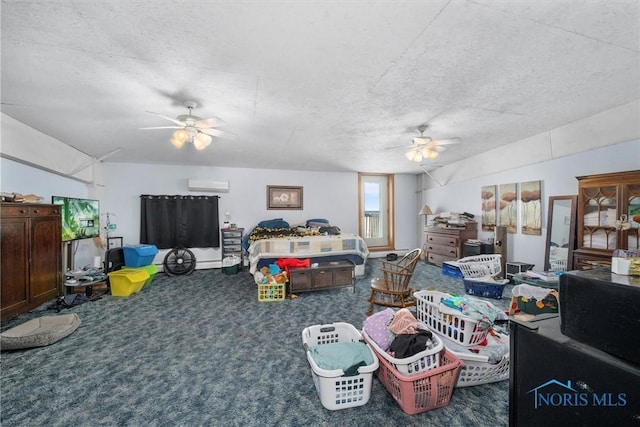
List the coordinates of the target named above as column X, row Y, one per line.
column 179, row 261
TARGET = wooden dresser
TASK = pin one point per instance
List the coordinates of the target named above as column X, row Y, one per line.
column 447, row 244
column 31, row 264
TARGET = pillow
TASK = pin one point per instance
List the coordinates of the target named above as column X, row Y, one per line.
column 274, row 223
column 317, row 222
column 331, row 230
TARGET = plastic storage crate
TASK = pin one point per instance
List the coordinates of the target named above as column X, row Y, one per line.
column 425, row 391
column 456, row 327
column 271, row 292
column 484, row 288
column 126, row 282
column 139, row 255
column 337, row 391
column 451, row 269
column 418, row 363
column 152, row 269
column 480, row 265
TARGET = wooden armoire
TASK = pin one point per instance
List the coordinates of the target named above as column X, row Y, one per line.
column 30, row 259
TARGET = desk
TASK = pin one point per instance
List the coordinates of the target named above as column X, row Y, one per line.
column 519, row 279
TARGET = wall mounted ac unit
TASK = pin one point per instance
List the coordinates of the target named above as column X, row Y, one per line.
column 207, row 185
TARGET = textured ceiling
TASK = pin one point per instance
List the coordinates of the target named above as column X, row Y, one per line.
column 314, row 85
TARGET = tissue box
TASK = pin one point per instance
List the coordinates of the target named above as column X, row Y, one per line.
column 620, row 265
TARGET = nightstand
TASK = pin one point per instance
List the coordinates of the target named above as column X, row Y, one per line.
column 232, row 243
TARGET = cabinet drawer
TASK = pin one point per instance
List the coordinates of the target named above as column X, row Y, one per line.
column 443, row 250
column 438, row 259
column 232, row 234
column 15, row 211
column 235, row 241
column 232, row 248
column 343, row 276
column 322, row 278
column 44, row 210
column 439, row 239
column 299, row 280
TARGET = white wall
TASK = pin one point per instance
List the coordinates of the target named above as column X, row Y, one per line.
column 20, row 178
column 558, row 178
column 330, row 195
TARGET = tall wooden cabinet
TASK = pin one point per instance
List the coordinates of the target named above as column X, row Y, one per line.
column 604, row 202
column 30, row 257
column 447, row 243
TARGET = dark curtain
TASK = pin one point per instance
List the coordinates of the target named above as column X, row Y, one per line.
column 171, row 221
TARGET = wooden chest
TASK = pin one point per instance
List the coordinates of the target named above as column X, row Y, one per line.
column 326, row 275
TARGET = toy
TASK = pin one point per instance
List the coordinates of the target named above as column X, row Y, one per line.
column 271, row 274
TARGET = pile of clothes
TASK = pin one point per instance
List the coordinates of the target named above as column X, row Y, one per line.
column 399, row 333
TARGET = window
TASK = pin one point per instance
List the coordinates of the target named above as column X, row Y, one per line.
column 376, row 210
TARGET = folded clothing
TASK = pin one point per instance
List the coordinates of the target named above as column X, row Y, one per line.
column 348, row 356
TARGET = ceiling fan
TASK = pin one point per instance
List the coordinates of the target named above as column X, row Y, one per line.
column 424, row 147
column 191, row 128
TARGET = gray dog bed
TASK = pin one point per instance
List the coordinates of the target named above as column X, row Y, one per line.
column 39, row 332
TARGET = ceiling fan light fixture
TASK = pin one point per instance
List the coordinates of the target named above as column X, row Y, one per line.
column 181, row 135
column 414, row 155
column 430, row 153
column 178, row 143
column 201, row 141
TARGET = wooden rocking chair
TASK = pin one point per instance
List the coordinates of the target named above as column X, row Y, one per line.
column 392, row 290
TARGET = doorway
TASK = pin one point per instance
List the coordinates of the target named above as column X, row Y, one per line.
column 376, row 210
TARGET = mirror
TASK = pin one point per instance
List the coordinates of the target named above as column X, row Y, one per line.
column 561, row 233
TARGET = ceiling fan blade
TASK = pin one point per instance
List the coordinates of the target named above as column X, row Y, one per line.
column 447, row 141
column 164, row 127
column 211, row 122
column 396, row 147
column 213, row 132
column 438, row 148
column 178, row 122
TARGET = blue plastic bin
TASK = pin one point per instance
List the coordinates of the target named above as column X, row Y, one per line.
column 139, row 255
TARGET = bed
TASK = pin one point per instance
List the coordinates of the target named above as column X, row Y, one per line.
column 269, row 242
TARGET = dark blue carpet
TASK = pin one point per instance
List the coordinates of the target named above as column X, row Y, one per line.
column 201, row 350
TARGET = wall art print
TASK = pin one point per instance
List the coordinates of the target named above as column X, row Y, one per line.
column 488, row 196
column 531, row 207
column 281, row 197
column 508, row 207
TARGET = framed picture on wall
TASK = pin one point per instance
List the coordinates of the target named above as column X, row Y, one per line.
column 488, row 195
column 281, row 197
column 508, row 207
column 530, row 209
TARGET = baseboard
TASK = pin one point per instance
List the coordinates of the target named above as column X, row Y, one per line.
column 200, row 265
column 383, row 254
